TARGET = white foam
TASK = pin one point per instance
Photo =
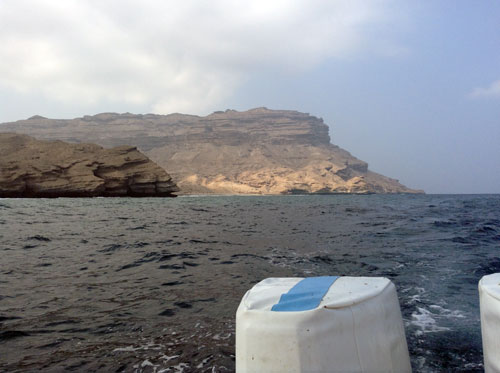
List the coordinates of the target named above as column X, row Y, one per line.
column 179, row 368
column 147, row 363
column 416, row 297
column 420, row 362
column 448, row 313
column 473, row 366
column 168, row 358
column 425, row 320
column 219, row 336
column 203, row 362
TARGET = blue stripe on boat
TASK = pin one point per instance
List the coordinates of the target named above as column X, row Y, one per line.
column 305, row 295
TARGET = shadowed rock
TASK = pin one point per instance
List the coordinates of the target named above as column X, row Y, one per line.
column 33, row 168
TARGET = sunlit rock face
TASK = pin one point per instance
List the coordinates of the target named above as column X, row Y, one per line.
column 259, row 151
column 34, row 168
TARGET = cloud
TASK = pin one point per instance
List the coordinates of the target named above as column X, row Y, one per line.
column 492, row 91
column 168, row 56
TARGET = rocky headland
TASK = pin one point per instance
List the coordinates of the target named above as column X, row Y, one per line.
column 259, row 151
column 34, row 168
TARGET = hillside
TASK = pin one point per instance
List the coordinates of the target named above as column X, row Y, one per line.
column 259, row 151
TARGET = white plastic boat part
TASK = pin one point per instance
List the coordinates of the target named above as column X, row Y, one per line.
column 357, row 327
column 489, row 300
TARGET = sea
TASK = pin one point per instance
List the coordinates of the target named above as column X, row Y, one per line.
column 153, row 284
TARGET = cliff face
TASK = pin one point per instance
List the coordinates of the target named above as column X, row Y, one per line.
column 32, row 168
column 259, row 151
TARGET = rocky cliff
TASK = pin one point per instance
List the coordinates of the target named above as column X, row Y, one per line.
column 258, row 151
column 33, row 168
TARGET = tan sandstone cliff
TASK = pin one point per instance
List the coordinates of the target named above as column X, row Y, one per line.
column 33, row 168
column 259, row 151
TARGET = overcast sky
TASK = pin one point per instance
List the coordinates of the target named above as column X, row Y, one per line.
column 411, row 87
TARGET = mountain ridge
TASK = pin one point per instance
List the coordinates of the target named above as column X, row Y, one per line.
column 259, row 151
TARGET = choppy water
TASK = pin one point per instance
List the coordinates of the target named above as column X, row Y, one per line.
column 153, row 284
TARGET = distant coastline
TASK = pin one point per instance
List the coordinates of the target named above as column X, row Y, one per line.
column 254, row 152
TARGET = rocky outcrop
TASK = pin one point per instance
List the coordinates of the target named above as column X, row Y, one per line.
column 258, row 151
column 33, row 168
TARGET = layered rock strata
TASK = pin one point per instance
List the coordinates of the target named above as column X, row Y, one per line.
column 33, row 168
column 258, row 151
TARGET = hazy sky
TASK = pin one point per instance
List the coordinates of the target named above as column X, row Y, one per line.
column 411, row 87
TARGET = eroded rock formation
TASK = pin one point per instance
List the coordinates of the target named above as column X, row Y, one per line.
column 33, row 168
column 259, row 151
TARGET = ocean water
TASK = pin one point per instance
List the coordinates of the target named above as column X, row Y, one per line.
column 152, row 285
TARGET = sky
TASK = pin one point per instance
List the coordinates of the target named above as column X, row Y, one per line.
column 411, row 87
